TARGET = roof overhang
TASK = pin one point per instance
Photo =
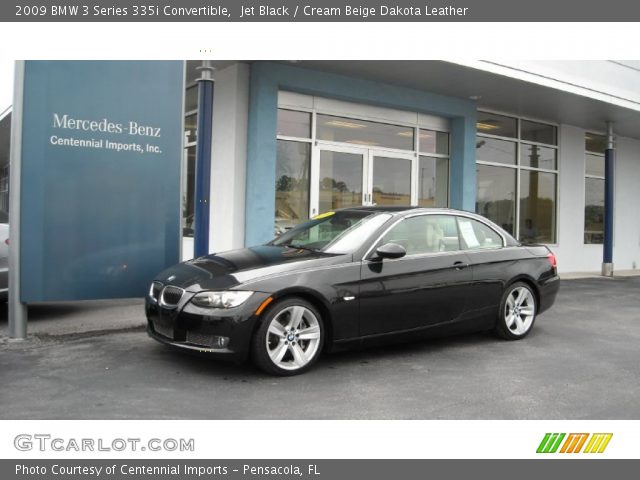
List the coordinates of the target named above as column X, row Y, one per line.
column 517, row 95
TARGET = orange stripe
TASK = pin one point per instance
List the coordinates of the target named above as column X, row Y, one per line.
column 581, row 443
column 566, row 443
column 576, row 439
column 263, row 305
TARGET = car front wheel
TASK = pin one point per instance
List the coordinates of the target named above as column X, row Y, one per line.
column 289, row 339
column 517, row 312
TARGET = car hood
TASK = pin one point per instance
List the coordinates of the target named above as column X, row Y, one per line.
column 232, row 268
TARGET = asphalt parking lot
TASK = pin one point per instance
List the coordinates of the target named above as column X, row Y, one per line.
column 580, row 362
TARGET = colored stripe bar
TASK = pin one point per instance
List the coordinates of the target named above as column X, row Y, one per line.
column 607, row 439
column 558, row 442
column 570, row 443
column 582, row 441
column 599, row 439
column 543, row 443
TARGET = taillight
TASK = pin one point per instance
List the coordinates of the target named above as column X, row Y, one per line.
column 552, row 260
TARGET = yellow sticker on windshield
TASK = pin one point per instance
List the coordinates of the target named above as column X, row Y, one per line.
column 323, row 215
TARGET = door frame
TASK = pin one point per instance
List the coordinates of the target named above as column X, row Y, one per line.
column 413, row 178
column 368, row 153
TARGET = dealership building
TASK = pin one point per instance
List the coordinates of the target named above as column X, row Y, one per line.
column 522, row 143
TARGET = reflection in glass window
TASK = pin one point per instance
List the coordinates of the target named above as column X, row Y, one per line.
column 493, row 124
column 391, row 181
column 292, row 184
column 594, row 165
column 191, row 99
column 425, row 234
column 432, row 141
column 190, row 128
column 340, row 180
column 294, row 124
column 538, row 132
column 363, row 132
column 433, row 182
column 496, row 151
column 535, row 156
column 537, row 207
column 595, row 143
column 594, row 210
column 5, row 135
column 496, row 195
column 188, row 190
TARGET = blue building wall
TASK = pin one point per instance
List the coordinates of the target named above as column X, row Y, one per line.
column 268, row 78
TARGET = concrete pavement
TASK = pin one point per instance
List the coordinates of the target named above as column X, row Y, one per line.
column 580, row 361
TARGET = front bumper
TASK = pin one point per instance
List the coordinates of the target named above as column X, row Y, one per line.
column 224, row 332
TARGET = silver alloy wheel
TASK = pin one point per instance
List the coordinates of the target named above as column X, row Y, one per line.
column 293, row 337
column 519, row 310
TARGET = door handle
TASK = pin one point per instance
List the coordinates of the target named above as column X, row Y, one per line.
column 460, row 265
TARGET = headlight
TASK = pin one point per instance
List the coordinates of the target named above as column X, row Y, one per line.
column 228, row 299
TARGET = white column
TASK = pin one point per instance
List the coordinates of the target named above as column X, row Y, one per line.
column 626, row 221
column 228, row 166
column 571, row 252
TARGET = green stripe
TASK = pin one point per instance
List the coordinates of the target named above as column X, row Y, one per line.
column 558, row 442
column 543, row 443
column 549, row 444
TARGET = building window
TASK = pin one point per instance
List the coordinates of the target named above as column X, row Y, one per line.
column 517, row 175
column 292, row 184
column 594, row 188
column 189, row 176
column 353, row 161
column 293, row 169
column 294, row 124
column 5, row 135
column 433, row 181
column 189, row 153
column 364, row 132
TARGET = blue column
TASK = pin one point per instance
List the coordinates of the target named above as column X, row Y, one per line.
column 607, row 252
column 462, row 169
column 203, row 164
column 261, row 156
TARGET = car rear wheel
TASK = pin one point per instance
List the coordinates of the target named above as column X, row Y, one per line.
column 517, row 312
column 289, row 339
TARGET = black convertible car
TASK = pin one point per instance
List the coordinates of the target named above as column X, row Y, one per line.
column 349, row 277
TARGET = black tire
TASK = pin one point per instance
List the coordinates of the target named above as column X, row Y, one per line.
column 513, row 332
column 264, row 342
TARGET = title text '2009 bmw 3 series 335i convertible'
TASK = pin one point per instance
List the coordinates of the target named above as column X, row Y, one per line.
column 352, row 277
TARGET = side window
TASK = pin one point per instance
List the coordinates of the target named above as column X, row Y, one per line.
column 476, row 235
column 425, row 234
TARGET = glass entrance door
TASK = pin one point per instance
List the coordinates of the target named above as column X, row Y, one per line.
column 352, row 176
column 340, row 179
column 391, row 181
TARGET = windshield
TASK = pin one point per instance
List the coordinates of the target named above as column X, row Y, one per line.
column 334, row 232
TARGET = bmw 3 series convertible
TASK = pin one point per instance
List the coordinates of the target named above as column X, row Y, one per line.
column 353, row 277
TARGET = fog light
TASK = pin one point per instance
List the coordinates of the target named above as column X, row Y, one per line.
column 220, row 342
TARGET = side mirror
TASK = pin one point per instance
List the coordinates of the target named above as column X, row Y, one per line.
column 391, row 250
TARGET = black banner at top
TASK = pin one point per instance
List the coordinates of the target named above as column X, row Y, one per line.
column 320, row 11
